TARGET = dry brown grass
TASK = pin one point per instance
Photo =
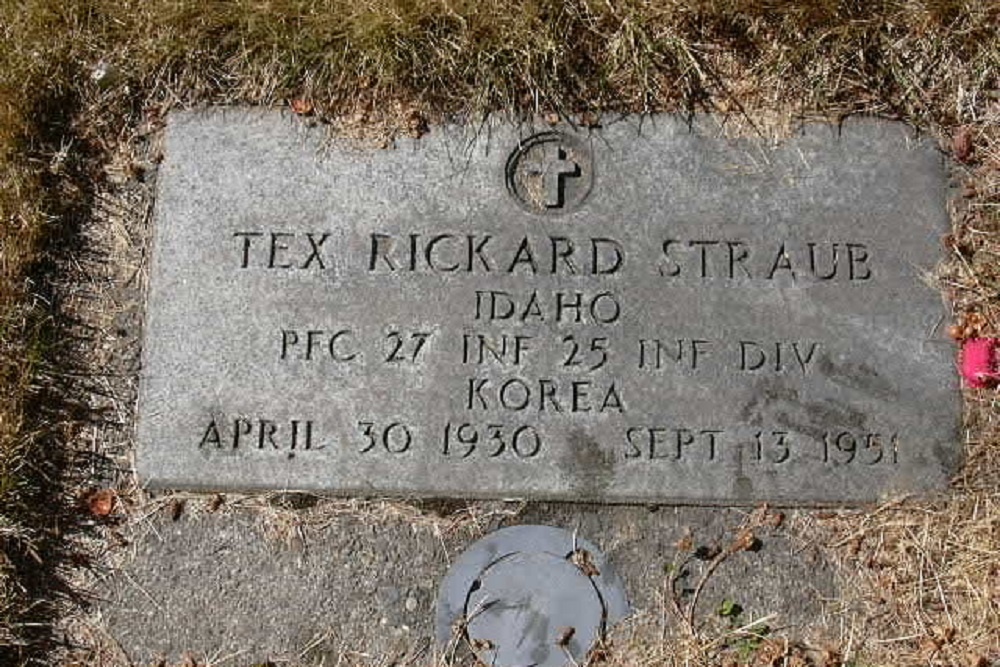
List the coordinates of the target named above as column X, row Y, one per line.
column 77, row 79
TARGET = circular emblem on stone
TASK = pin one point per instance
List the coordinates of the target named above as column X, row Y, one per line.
column 530, row 595
column 550, row 172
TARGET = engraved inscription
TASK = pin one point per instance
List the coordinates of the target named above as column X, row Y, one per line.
column 563, row 349
column 259, row 433
column 542, row 394
column 741, row 356
column 789, row 260
column 575, row 307
column 490, row 440
column 281, row 250
column 455, row 253
column 339, row 345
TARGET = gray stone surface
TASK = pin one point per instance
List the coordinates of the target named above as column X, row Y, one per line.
column 321, row 586
column 228, row 588
column 642, row 312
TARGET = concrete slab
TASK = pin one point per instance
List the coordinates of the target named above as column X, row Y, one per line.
column 325, row 585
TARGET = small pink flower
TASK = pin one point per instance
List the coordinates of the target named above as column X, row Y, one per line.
column 979, row 362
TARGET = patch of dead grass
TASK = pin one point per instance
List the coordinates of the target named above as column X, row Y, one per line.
column 921, row 582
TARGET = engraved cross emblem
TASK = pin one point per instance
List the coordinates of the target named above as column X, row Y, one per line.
column 553, row 168
column 550, row 173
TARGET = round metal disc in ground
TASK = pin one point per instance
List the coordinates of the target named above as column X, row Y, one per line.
column 529, row 595
column 533, row 609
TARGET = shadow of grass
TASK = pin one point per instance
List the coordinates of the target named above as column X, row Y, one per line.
column 55, row 406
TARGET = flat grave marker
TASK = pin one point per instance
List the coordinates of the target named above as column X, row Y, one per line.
column 639, row 312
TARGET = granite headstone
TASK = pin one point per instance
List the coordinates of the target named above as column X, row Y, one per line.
column 639, row 312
